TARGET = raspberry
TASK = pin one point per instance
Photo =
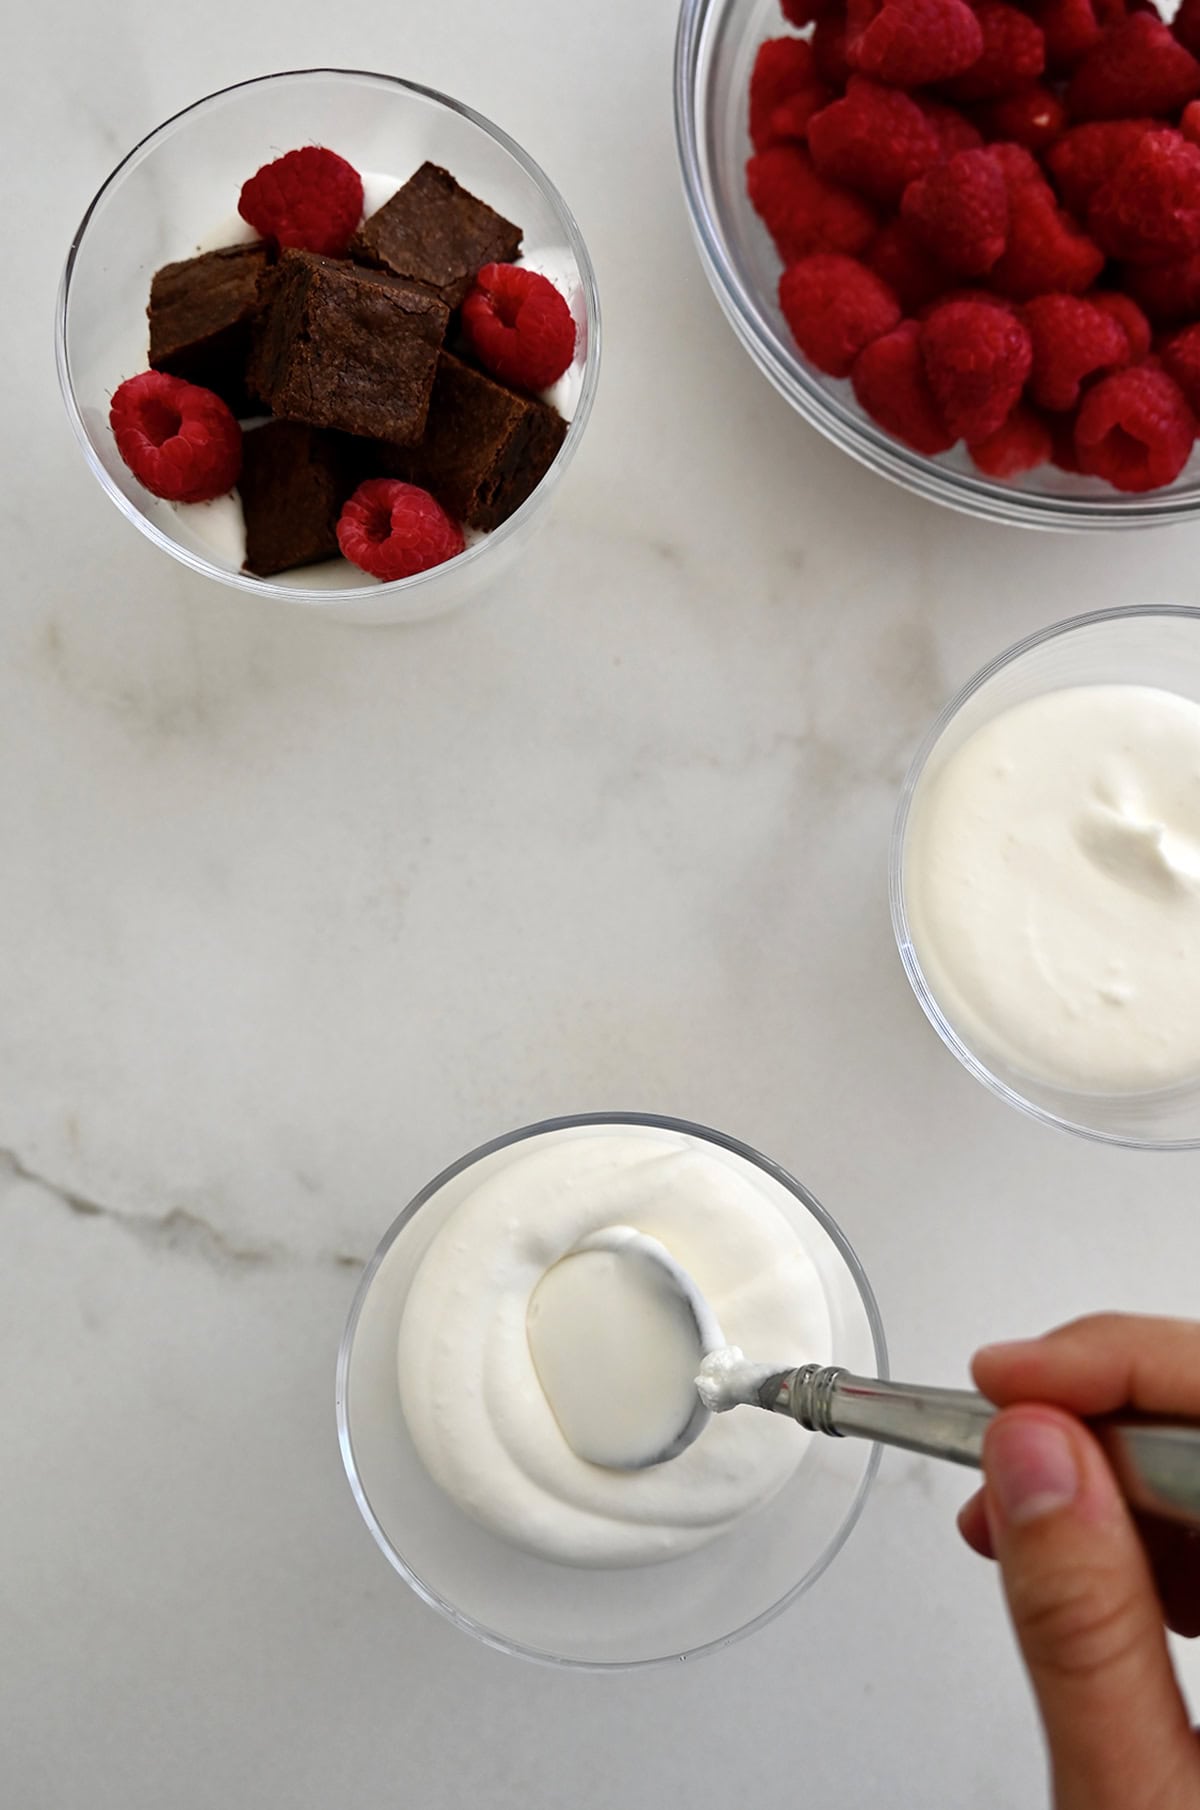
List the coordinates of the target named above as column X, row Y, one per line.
column 802, row 212
column 1086, row 157
column 1046, row 250
column 1033, row 117
column 829, row 50
column 804, row 12
column 977, row 357
column 891, row 386
column 953, row 128
column 1186, row 25
column 1135, row 429
column 1180, row 355
column 1189, row 122
column 913, row 42
column 1070, row 28
column 1018, row 444
column 835, row 306
column 178, row 440
column 1137, row 67
column 784, row 91
column 1014, row 53
column 1133, row 323
column 310, row 198
column 906, row 267
column 519, row 326
column 1150, row 208
column 395, row 530
column 959, row 211
column 874, row 140
column 1072, row 340
column 1168, row 292
column 1021, row 168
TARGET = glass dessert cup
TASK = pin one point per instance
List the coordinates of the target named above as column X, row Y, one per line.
column 604, row 1617
column 1153, row 645
column 176, row 187
column 714, row 53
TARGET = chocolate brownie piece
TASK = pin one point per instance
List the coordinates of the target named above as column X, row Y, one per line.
column 293, row 484
column 346, row 348
column 201, row 312
column 434, row 233
column 485, row 448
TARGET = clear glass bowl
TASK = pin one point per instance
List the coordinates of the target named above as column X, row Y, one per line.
column 1155, row 644
column 176, row 188
column 562, row 1614
column 714, row 53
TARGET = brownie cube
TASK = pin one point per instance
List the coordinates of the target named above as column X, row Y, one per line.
column 434, row 233
column 345, row 348
column 294, row 482
column 201, row 315
column 485, row 448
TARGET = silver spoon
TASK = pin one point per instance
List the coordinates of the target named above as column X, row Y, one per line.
column 1156, row 1462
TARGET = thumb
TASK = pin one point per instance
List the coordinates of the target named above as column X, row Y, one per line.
column 1087, row 1617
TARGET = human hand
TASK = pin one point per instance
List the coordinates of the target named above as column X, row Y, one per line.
column 1089, row 1587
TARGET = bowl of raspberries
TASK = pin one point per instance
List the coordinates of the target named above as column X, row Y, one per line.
column 962, row 237
column 332, row 338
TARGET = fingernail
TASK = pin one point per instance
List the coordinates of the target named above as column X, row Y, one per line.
column 1031, row 1469
column 1006, row 1348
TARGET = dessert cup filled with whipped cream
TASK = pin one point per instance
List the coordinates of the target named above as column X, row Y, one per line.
column 1046, row 876
column 502, row 1386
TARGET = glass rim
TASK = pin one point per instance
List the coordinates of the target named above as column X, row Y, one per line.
column 926, row 997
column 980, row 497
column 490, row 1636
column 393, row 589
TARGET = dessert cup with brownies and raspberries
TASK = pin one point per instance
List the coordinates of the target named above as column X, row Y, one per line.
column 331, row 338
column 962, row 237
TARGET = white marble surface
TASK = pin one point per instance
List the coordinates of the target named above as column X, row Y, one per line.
column 291, row 915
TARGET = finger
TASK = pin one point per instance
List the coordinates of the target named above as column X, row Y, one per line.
column 1099, row 1364
column 973, row 1525
column 1087, row 1617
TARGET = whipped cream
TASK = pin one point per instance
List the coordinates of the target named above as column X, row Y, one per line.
column 728, row 1379
column 1052, row 879
column 476, row 1410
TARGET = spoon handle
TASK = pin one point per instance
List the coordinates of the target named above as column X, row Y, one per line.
column 1156, row 1462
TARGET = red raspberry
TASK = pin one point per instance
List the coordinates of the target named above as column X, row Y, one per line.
column 784, row 91
column 1168, row 292
column 1189, row 122
column 1180, row 355
column 1086, row 157
column 1135, row 429
column 835, row 306
column 178, row 440
column 1186, row 25
column 1021, row 168
column 395, row 530
column 1046, row 250
column 1150, row 209
column 1072, row 340
column 953, row 128
column 874, row 140
column 804, row 12
column 829, row 50
column 906, row 267
column 1133, row 323
column 891, row 386
column 1069, row 28
column 1019, row 444
column 977, row 357
column 519, row 326
column 959, row 211
column 802, row 212
column 1013, row 54
column 311, row 198
column 1033, row 117
column 913, row 42
column 1137, row 67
